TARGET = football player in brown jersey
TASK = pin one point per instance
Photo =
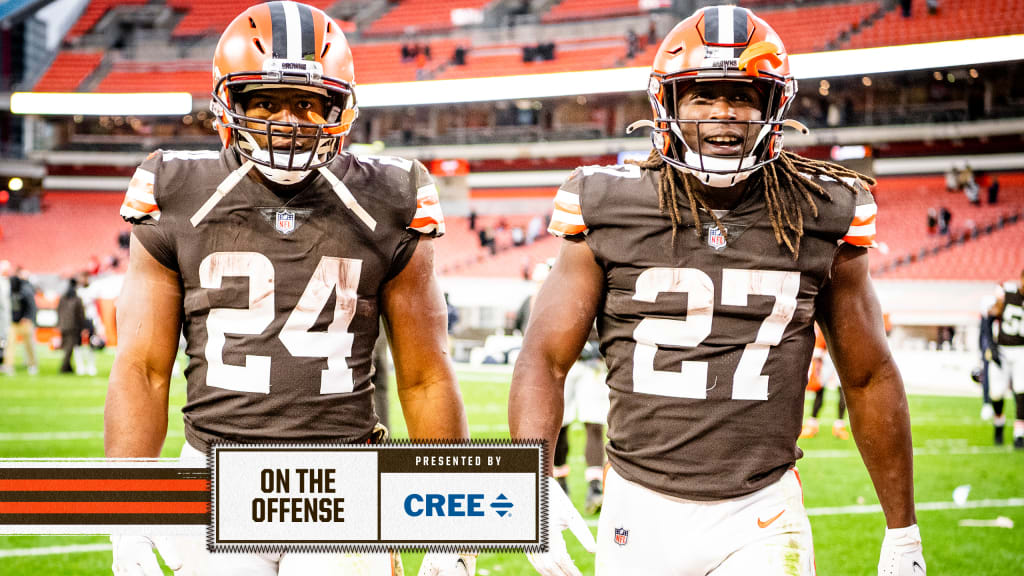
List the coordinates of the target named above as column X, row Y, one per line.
column 1006, row 359
column 705, row 267
column 278, row 277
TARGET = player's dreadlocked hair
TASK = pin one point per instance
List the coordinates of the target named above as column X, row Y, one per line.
column 785, row 186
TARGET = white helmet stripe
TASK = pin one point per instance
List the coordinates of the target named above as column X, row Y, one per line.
column 725, row 35
column 294, row 30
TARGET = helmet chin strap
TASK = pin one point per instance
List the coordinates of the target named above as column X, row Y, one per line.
column 288, row 177
column 283, row 177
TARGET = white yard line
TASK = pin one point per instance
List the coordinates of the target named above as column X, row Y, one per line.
column 50, row 436
column 53, row 550
column 876, row 509
column 936, row 451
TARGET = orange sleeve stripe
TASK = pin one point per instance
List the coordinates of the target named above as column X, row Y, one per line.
column 566, row 207
column 557, row 228
column 867, row 241
column 141, row 206
column 423, row 221
column 426, row 201
column 863, row 221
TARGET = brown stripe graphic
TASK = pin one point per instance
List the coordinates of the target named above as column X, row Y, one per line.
column 94, row 496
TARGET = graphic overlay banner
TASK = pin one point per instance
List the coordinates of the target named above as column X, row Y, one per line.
column 103, row 497
column 299, row 498
column 375, row 497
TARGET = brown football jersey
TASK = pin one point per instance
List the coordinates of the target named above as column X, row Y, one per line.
column 1011, row 331
column 281, row 296
column 707, row 341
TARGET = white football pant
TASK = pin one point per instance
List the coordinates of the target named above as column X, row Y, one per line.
column 586, row 393
column 766, row 533
column 1010, row 375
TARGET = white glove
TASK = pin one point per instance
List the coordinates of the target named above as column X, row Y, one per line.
column 133, row 555
column 448, row 564
column 902, row 554
column 561, row 515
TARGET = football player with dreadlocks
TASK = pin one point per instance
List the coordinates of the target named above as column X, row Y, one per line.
column 706, row 267
column 277, row 256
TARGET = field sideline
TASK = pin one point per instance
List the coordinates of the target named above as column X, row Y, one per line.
column 53, row 415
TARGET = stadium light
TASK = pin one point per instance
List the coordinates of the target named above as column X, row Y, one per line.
column 865, row 61
column 93, row 104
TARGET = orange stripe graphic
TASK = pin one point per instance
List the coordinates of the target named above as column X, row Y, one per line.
column 104, row 507
column 104, row 485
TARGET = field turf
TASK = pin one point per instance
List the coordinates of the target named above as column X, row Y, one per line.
column 52, row 415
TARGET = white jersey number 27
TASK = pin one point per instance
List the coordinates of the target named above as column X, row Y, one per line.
column 691, row 380
column 339, row 276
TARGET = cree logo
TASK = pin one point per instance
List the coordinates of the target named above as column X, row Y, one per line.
column 501, row 505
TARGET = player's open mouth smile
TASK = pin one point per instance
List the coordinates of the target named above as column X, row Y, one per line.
column 723, row 145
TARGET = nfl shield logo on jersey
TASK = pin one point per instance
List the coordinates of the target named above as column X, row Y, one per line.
column 621, row 536
column 716, row 239
column 284, row 221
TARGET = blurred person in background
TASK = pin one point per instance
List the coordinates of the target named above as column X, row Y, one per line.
column 23, row 322
column 85, row 355
column 72, row 325
column 822, row 375
column 1006, row 359
column 986, row 337
column 5, row 309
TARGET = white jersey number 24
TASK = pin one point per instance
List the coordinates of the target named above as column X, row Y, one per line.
column 691, row 380
column 339, row 276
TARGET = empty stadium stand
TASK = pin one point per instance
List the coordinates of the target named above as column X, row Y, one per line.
column 211, row 18
column 591, row 9
column 94, row 12
column 421, row 16
column 903, row 204
column 193, row 76
column 955, row 19
column 48, row 243
column 507, row 60
column 997, row 256
column 818, row 28
column 68, row 70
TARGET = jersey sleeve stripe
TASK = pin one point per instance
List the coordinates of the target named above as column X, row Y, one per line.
column 567, row 217
column 567, row 208
column 139, row 201
column 865, row 211
column 862, row 229
column 566, row 197
column 428, row 219
column 564, row 229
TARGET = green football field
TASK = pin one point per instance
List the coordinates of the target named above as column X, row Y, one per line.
column 53, row 415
